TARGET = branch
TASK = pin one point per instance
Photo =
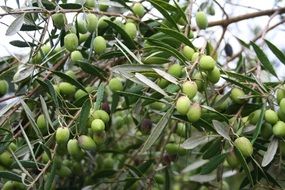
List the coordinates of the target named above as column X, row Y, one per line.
column 229, row 21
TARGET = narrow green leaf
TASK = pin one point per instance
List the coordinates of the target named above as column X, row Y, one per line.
column 100, row 96
column 278, row 53
column 165, row 14
column 128, row 41
column 125, row 48
column 45, row 111
column 15, row 25
column 156, row 132
column 222, row 129
column 263, row 59
column 213, row 164
column 93, row 70
column 259, row 124
column 270, row 153
column 166, row 76
column 84, row 115
column 195, row 141
column 19, row 43
column 50, row 176
column 70, row 80
column 150, row 84
column 10, row 176
column 70, row 6
column 244, row 165
column 177, row 35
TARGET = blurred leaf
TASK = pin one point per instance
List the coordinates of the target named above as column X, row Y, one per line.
column 19, row 43
column 194, row 166
column 50, row 176
column 128, row 41
column 115, row 102
column 222, row 129
column 278, row 53
column 84, row 115
column 263, row 59
column 270, row 153
column 214, row 149
column 202, row 178
column 126, row 49
column 177, row 35
column 111, row 54
column 196, row 140
column 29, row 27
column 15, row 25
column 213, row 164
column 156, row 132
column 10, row 176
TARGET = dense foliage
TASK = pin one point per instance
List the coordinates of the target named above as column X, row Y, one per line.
column 116, row 95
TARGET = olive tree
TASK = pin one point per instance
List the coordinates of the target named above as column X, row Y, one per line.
column 119, row 95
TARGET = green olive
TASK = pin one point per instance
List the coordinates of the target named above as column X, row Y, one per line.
column 183, row 105
column 244, row 145
column 76, row 56
column 66, row 88
column 236, row 95
column 188, row 52
column 62, row 135
column 190, row 89
column 201, row 20
column 138, row 9
column 194, row 113
column 131, row 29
column 71, row 42
column 175, row 70
column 6, row 159
column 115, row 84
column 4, row 86
column 279, row 129
column 271, row 116
column 232, row 159
column 99, row 45
column 92, row 22
column 102, row 23
column 59, row 20
column 86, row 142
column 214, row 75
column 73, row 147
column 97, row 126
column 207, row 63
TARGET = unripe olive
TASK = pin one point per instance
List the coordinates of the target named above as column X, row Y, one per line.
column 6, row 159
column 214, row 75
column 159, row 178
column 71, row 42
column 59, row 20
column 162, row 83
column 222, row 105
column 83, row 37
column 70, row 73
column 199, row 80
column 183, row 105
column 76, row 56
column 13, row 185
column 64, row 171
column 280, row 93
column 282, row 105
column 97, row 125
column 195, row 57
column 91, row 21
column 175, row 70
column 115, row 84
column 188, row 52
column 13, row 146
column 101, row 114
column 66, row 88
column 173, row 148
column 181, row 130
column 90, row 3
column 62, row 135
column 73, row 147
column 138, row 9
column 46, row 49
column 236, row 95
column 41, row 122
column 79, row 94
column 103, row 7
column 190, row 89
column 232, row 159
column 201, row 20
column 207, row 63
column 279, row 129
column 194, row 113
column 266, row 130
column 86, row 142
column 99, row 138
column 99, row 45
column 254, row 117
column 45, row 157
column 146, row 126
column 102, row 23
column 108, row 163
column 244, row 145
column 131, row 29
column 271, row 116
column 4, row 86
column 81, row 26
column 157, row 105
